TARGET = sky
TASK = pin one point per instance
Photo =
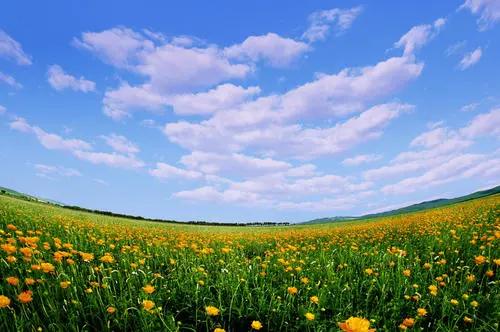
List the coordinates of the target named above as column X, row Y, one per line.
column 255, row 111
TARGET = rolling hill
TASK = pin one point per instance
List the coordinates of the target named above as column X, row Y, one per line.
column 414, row 207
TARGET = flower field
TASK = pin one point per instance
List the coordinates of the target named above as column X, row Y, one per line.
column 435, row 270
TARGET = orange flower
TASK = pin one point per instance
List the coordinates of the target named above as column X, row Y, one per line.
column 292, row 290
column 408, row 322
column 13, row 281
column 356, row 324
column 111, row 310
column 47, row 267
column 25, row 297
column 479, row 260
column 148, row 304
column 9, row 248
column 148, row 289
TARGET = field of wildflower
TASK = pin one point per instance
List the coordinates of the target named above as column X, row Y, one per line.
column 435, row 270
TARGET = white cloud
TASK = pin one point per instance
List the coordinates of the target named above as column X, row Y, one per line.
column 45, row 170
column 3, row 109
column 119, row 46
column 418, row 36
column 488, row 11
column 223, row 97
column 121, row 144
column 361, row 159
column 9, row 80
column 164, row 171
column 272, row 48
column 49, row 140
column 483, row 125
column 239, row 164
column 454, row 168
column 120, row 102
column 470, row 59
column 11, row 49
column 110, row 159
column 469, row 107
column 77, row 147
column 169, row 68
column 321, row 22
column 60, row 80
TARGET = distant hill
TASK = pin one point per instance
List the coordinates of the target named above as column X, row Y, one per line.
column 415, row 207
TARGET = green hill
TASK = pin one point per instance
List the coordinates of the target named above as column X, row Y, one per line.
column 415, row 207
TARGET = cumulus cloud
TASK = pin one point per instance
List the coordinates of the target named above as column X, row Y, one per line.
column 483, row 125
column 12, row 49
column 361, row 159
column 487, row 10
column 222, row 97
column 164, row 171
column 9, row 80
column 239, row 164
column 77, row 147
column 49, row 170
column 272, row 48
column 121, row 144
column 418, row 36
column 49, row 140
column 110, row 159
column 470, row 59
column 321, row 22
column 60, row 80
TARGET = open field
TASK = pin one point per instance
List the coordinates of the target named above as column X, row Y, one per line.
column 434, row 270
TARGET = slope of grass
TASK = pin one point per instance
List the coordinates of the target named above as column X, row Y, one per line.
column 70, row 270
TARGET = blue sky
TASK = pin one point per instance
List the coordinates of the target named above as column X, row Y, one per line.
column 226, row 111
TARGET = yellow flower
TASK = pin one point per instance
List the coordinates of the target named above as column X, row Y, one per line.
column 25, row 297
column 256, row 325
column 65, row 284
column 467, row 320
column 369, row 271
column 148, row 304
column 489, row 273
column 4, row 301
column 407, row 273
column 314, row 299
column 304, row 280
column 111, row 310
column 292, row 290
column 471, row 278
column 218, row 329
column 474, row 304
column 479, row 260
column 309, row 316
column 201, row 283
column 356, row 324
column 107, row 258
column 454, row 302
column 212, row 311
column 148, row 289
column 421, row 312
column 433, row 290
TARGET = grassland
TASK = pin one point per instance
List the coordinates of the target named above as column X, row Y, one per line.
column 434, row 270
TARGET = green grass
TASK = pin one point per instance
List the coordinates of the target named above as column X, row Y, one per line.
column 250, row 281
